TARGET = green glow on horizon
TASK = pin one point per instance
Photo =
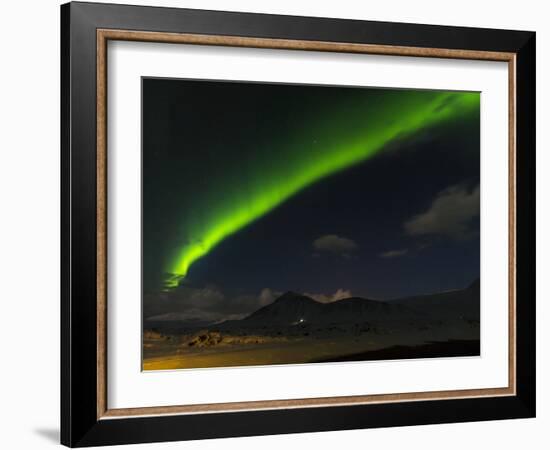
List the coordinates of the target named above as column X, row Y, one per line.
column 353, row 134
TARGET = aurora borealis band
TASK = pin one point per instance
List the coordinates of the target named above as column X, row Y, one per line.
column 322, row 139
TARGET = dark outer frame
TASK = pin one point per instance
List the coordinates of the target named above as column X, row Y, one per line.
column 80, row 425
column 103, row 38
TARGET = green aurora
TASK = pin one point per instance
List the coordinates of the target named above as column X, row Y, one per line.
column 352, row 132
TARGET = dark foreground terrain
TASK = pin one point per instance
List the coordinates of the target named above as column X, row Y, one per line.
column 430, row 350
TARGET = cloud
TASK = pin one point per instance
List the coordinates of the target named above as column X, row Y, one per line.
column 393, row 253
column 203, row 297
column 332, row 243
column 450, row 214
column 185, row 302
column 324, row 298
column 193, row 314
column 267, row 296
column 208, row 304
column 237, row 316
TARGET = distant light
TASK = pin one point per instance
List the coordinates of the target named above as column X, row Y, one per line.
column 301, row 320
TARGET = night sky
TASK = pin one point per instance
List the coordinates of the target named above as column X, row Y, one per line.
column 251, row 190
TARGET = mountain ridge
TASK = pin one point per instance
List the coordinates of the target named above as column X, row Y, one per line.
column 292, row 308
column 295, row 308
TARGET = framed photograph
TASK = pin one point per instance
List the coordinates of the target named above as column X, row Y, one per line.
column 277, row 224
